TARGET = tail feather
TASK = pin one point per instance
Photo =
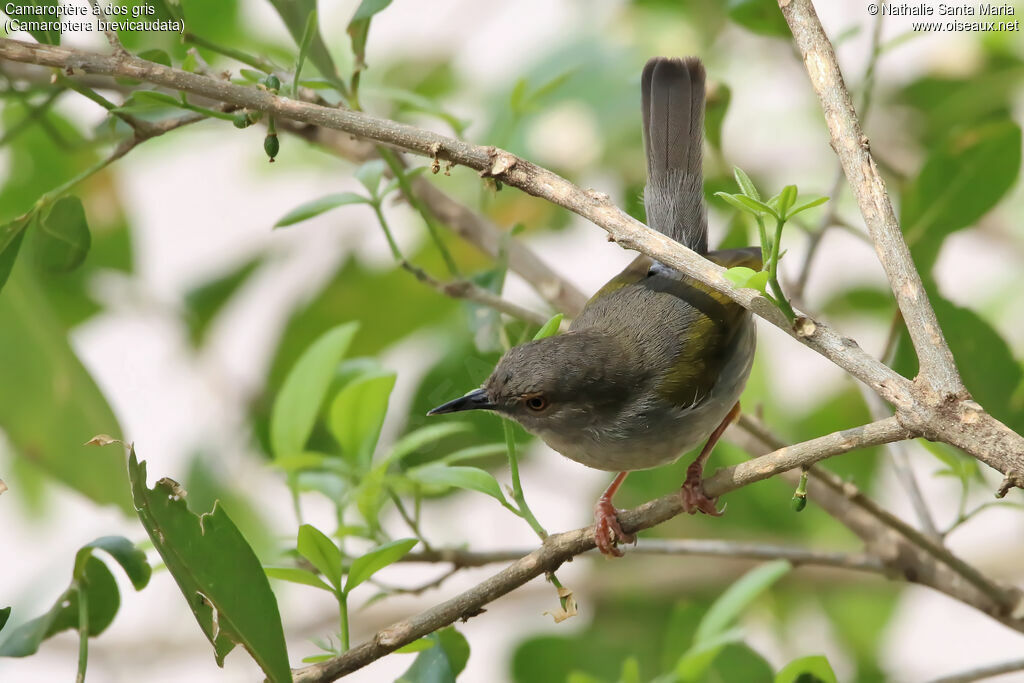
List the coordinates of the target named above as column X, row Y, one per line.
column 673, row 115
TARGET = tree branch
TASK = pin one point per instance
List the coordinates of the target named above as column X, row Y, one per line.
column 938, row 368
column 559, row 548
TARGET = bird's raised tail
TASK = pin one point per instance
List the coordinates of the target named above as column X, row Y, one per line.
column 673, row 112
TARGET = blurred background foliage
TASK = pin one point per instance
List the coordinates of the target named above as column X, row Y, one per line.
column 949, row 144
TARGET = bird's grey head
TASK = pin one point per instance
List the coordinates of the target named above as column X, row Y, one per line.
column 558, row 385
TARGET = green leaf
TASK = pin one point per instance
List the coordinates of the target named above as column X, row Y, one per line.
column 807, row 203
column 440, row 664
column 156, row 97
column 62, row 236
column 157, row 56
column 786, row 199
column 482, row 451
column 5, row 614
column 415, row 646
column 367, row 565
column 759, row 16
column 737, row 597
column 746, row 184
column 718, row 99
column 812, row 669
column 217, row 572
column 322, row 553
column 741, row 276
column 101, row 594
column 701, row 655
column 295, row 14
column 10, row 242
column 419, row 438
column 298, row 402
column 550, row 328
column 370, row 173
column 959, row 183
column 459, row 476
column 307, row 38
column 316, row 207
column 252, row 75
column 748, row 205
column 297, row 575
column 359, row 28
column 357, row 415
column 131, row 558
column 48, row 425
column 203, row 303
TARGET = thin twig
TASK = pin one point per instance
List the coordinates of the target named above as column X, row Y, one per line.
column 982, row 672
column 461, row 558
column 111, row 34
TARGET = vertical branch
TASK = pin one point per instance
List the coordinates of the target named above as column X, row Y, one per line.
column 851, row 145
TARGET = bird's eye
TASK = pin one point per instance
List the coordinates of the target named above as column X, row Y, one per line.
column 536, row 403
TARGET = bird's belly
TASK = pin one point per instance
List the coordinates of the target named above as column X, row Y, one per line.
column 646, row 444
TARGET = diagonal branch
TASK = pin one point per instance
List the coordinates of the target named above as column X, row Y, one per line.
column 559, row 548
column 851, row 145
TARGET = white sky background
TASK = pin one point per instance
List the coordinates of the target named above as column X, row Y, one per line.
column 169, row 402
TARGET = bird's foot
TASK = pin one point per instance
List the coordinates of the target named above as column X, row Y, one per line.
column 694, row 497
column 607, row 531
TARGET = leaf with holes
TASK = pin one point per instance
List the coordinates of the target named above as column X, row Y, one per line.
column 217, row 572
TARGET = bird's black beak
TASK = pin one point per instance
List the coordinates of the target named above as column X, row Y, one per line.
column 474, row 400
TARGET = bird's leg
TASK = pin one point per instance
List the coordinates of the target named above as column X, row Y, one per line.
column 606, row 521
column 694, row 498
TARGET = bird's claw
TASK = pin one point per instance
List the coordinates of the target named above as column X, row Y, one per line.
column 695, row 499
column 607, row 531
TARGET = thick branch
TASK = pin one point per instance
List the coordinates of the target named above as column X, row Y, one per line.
column 559, row 548
column 851, row 145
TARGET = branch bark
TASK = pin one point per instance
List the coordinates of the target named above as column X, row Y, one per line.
column 938, row 368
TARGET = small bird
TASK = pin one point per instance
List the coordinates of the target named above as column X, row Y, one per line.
column 656, row 361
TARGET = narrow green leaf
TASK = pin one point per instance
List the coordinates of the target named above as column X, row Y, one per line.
column 316, row 207
column 357, row 414
column 730, row 604
column 155, row 97
column 252, row 75
column 746, row 184
column 297, row 404
column 959, row 183
column 695, row 662
column 11, row 236
column 131, row 558
column 322, row 553
column 807, row 203
column 739, row 275
column 786, row 199
column 62, row 236
column 481, row 451
column 359, row 28
column 550, row 328
column 812, row 669
column 369, row 564
column 419, row 438
column 217, row 572
column 5, row 614
column 459, row 476
column 307, row 38
column 414, row 646
column 370, row 173
column 296, row 575
column 295, row 14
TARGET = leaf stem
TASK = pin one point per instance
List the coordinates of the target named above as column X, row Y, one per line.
column 517, row 486
column 773, row 278
column 237, row 55
column 403, row 182
column 343, row 619
column 83, row 631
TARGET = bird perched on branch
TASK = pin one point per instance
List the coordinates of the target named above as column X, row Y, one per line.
column 656, row 361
